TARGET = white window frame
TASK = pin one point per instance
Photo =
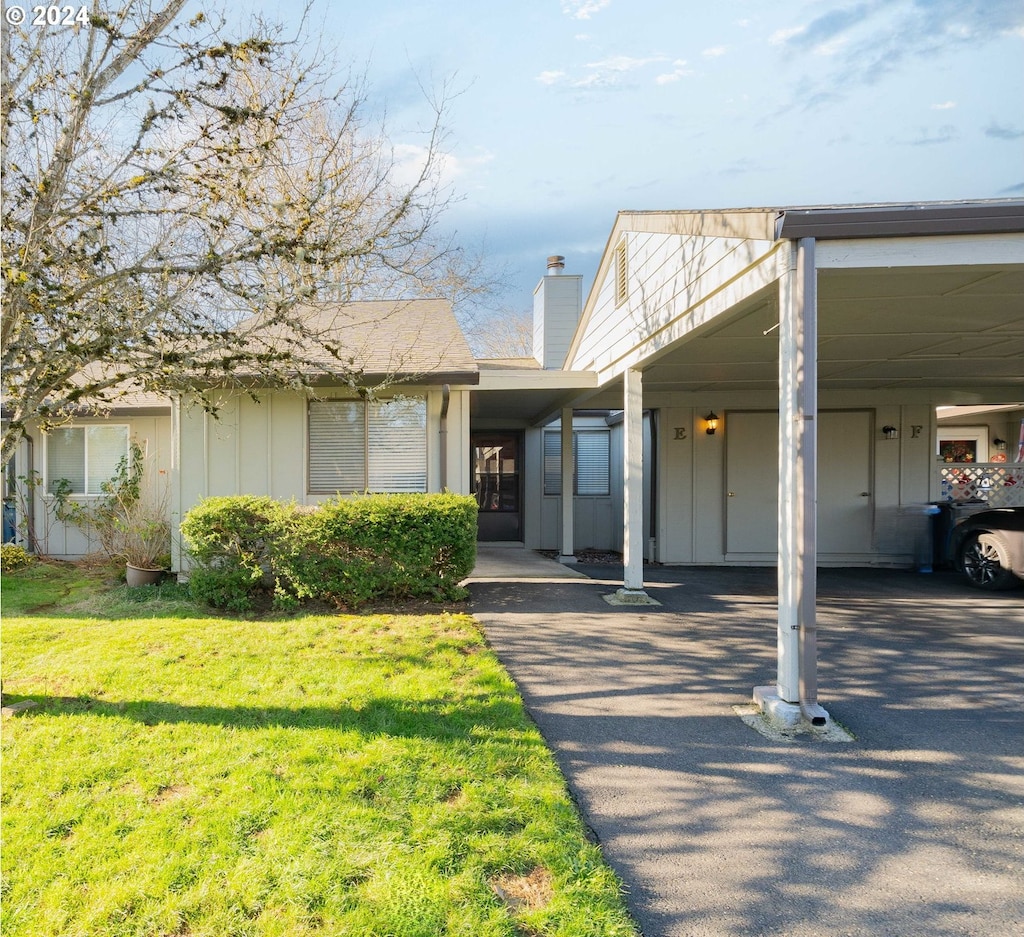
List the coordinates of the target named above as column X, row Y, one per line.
column 552, row 451
column 91, row 487
column 371, row 458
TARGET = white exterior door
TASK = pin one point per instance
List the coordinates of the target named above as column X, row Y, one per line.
column 752, row 485
column 845, row 503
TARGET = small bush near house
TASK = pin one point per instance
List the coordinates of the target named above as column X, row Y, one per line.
column 13, row 557
column 346, row 551
column 231, row 540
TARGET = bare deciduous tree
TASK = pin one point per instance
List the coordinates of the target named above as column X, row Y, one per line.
column 173, row 192
column 507, row 333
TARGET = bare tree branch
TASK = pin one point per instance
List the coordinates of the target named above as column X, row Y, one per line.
column 166, row 181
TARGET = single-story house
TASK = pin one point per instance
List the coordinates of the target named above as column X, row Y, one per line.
column 756, row 386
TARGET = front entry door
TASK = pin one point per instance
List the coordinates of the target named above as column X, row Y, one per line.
column 496, row 482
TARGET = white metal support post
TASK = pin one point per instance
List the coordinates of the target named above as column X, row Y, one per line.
column 633, row 482
column 566, row 547
column 798, row 441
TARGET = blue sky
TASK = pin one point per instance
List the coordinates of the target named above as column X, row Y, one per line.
column 570, row 110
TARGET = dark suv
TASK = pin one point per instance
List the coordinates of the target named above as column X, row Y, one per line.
column 988, row 548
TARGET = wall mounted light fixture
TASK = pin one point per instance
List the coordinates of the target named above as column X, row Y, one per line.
column 890, row 432
column 1000, row 444
column 712, row 423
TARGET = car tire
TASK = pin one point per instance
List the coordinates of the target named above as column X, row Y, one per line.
column 984, row 559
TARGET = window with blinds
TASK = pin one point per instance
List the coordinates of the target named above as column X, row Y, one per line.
column 84, row 456
column 357, row 446
column 592, row 457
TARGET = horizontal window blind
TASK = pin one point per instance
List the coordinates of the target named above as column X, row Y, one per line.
column 337, row 446
column 592, row 456
column 552, row 464
column 357, row 446
column 397, row 457
column 86, row 456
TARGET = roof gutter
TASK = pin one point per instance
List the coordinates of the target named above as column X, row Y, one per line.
column 1001, row 216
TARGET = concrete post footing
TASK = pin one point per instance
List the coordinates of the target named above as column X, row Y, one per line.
column 788, row 716
column 630, row 597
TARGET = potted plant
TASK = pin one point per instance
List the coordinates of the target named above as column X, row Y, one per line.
column 143, row 537
column 127, row 525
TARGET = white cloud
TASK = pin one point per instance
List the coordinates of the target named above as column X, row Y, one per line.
column 714, row 51
column 410, row 160
column 550, row 78
column 679, row 71
column 609, row 71
column 784, row 35
column 944, row 106
column 623, row 63
column 583, row 9
column 832, row 47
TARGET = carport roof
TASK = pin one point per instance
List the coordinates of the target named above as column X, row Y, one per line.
column 987, row 216
column 854, row 221
column 913, row 297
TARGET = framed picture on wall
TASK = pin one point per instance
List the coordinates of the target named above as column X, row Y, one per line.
column 962, row 444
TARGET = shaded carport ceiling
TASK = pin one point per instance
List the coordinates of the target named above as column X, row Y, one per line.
column 955, row 328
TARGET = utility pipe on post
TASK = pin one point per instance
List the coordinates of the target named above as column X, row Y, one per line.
column 566, row 547
column 633, row 482
column 798, row 439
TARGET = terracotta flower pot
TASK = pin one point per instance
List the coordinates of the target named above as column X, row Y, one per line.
column 137, row 576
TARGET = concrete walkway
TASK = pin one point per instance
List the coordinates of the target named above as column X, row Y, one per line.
column 914, row 828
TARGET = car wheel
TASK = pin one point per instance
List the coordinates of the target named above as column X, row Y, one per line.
column 984, row 560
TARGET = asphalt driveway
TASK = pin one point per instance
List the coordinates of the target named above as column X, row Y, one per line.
column 916, row 827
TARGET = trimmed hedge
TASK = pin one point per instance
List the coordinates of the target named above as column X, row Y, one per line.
column 347, row 551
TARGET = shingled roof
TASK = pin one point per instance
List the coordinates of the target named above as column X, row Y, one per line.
column 407, row 338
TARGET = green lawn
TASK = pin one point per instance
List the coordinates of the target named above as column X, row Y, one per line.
column 335, row 775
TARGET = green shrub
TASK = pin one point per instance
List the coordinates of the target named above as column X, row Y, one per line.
column 13, row 557
column 346, row 551
column 231, row 541
column 230, row 588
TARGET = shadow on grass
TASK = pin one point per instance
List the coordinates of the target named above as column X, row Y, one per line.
column 442, row 719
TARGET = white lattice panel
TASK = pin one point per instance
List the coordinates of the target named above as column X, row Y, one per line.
column 1000, row 484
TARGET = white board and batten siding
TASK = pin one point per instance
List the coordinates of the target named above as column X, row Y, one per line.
column 675, row 285
column 67, row 541
column 718, row 495
column 261, row 446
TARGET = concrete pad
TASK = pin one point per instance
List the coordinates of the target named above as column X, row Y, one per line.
column 498, row 562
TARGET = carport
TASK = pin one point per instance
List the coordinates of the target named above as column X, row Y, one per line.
column 902, row 306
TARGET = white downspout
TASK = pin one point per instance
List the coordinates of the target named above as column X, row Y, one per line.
column 633, row 483
column 798, row 412
column 566, row 546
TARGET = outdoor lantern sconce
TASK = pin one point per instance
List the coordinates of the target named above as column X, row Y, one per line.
column 1000, row 444
column 712, row 420
column 890, row 432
